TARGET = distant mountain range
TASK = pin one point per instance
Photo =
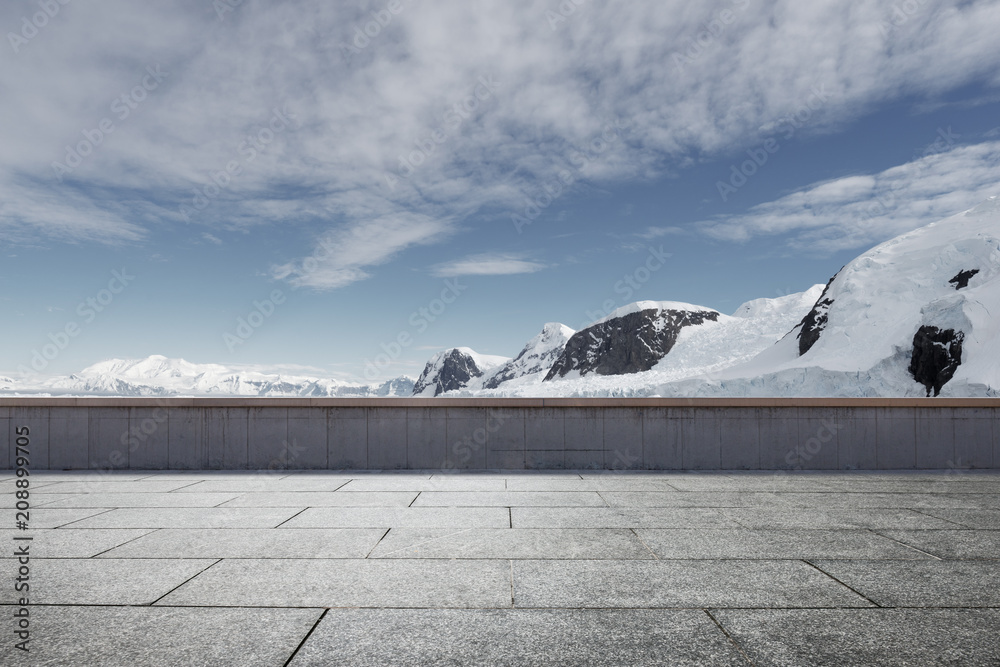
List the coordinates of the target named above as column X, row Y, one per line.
column 916, row 316
column 160, row 376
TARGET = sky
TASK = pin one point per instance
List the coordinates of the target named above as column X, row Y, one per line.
column 343, row 189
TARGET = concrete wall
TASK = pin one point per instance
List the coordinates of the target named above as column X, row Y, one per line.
column 613, row 434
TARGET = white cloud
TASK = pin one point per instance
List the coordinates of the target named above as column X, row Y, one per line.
column 343, row 254
column 487, row 264
column 659, row 232
column 554, row 93
column 857, row 211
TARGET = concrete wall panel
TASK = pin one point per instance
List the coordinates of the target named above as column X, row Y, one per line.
column 267, row 439
column 308, row 446
column 973, row 438
column 68, row 437
column 623, row 438
column 387, row 439
column 37, row 422
column 347, row 439
column 857, row 432
column 896, row 438
column 819, row 435
column 108, row 438
column 549, row 434
column 149, row 437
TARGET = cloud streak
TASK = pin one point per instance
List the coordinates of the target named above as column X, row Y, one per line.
column 487, row 264
column 358, row 111
column 857, row 211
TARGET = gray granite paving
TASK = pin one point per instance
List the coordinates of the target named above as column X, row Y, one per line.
column 71, row 543
column 105, row 582
column 677, row 583
column 503, row 568
column 303, row 499
column 619, row 517
column 509, row 499
column 189, row 517
column 348, row 583
column 264, row 484
column 51, row 518
column 517, row 638
column 967, row 544
column 774, row 544
column 552, row 543
column 181, row 636
column 931, row 583
column 875, row 637
column 797, row 518
column 980, row 519
column 130, row 499
column 248, row 543
column 401, row 517
column 435, row 483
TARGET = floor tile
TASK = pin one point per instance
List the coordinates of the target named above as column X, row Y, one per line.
column 350, row 583
column 517, row 638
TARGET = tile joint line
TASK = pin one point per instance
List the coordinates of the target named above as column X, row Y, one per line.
column 306, row 638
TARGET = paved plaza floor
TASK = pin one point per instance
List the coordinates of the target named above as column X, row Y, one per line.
column 501, row 568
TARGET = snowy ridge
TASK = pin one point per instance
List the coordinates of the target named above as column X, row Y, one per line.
column 881, row 300
column 454, row 369
column 918, row 313
column 699, row 350
column 661, row 306
column 159, row 376
column 536, row 357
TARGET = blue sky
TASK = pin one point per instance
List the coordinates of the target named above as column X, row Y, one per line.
column 342, row 192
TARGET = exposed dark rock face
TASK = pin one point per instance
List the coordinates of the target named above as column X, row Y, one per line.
column 631, row 343
column 814, row 322
column 447, row 374
column 961, row 281
column 937, row 354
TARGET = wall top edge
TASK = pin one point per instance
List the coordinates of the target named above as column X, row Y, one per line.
column 240, row 402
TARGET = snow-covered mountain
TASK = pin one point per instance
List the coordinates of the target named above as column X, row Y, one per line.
column 537, row 356
column 632, row 339
column 698, row 350
column 454, row 369
column 911, row 317
column 918, row 315
column 160, row 376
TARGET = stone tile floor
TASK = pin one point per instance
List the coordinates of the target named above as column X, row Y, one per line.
column 503, row 568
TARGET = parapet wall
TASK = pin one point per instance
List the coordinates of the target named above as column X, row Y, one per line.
column 512, row 434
